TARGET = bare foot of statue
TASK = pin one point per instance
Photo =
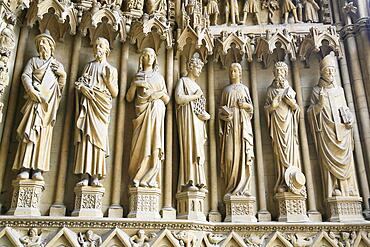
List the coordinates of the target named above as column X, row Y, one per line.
column 37, row 175
column 83, row 182
column 25, row 174
column 96, row 182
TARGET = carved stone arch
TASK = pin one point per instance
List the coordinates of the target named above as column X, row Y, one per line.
column 277, row 239
column 63, row 236
column 233, row 239
column 166, row 238
column 116, row 237
column 9, row 236
column 151, row 33
column 57, row 17
column 323, row 239
column 191, row 41
column 362, row 240
column 105, row 22
column 280, row 41
column 317, row 41
column 232, row 47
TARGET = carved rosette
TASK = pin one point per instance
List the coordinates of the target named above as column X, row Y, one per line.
column 240, row 209
column 26, row 197
column 88, row 202
column 342, row 208
column 144, row 203
column 292, row 207
column 190, row 205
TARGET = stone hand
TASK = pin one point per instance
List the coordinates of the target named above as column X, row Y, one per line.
column 58, row 70
column 107, row 75
column 291, row 102
column 34, row 95
column 198, row 93
column 87, row 92
column 156, row 95
column 141, row 83
column 276, row 101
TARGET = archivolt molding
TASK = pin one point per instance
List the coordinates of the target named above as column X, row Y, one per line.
column 151, row 31
column 314, row 41
column 106, row 21
column 64, row 16
column 268, row 43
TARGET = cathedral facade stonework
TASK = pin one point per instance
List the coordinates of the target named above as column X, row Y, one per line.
column 184, row 123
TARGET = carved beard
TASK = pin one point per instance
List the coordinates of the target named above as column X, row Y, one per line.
column 44, row 53
column 280, row 81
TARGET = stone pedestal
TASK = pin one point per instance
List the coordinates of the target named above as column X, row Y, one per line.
column 345, row 208
column 190, row 205
column 89, row 201
column 168, row 213
column 292, row 207
column 26, row 197
column 144, row 203
column 115, row 211
column 240, row 209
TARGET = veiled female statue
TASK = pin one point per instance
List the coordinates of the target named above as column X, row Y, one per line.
column 282, row 113
column 147, row 150
column 237, row 154
column 191, row 116
column 96, row 89
column 331, row 122
column 43, row 79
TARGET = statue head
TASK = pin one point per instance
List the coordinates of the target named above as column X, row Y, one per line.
column 101, row 48
column 140, row 233
column 45, row 45
column 280, row 71
column 235, row 73
column 89, row 234
column 147, row 59
column 33, row 232
column 195, row 66
column 327, row 68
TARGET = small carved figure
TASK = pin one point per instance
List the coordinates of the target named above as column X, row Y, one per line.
column 251, row 7
column 288, row 6
column 89, row 239
column 33, row 239
column 282, row 113
column 156, row 7
column 254, row 240
column 7, row 37
column 191, row 117
column 271, row 6
column 147, row 150
column 232, row 11
column 141, row 240
column 96, row 89
column 186, row 238
column 43, row 79
column 331, row 123
column 215, row 238
column 236, row 132
column 213, row 11
column 311, row 9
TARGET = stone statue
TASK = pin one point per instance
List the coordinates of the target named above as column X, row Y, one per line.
column 156, row 7
column 236, row 133
column 331, row 123
column 251, row 7
column 311, row 9
column 232, row 11
column 288, row 6
column 213, row 11
column 96, row 88
column 89, row 239
column 282, row 113
column 33, row 239
column 43, row 79
column 191, row 116
column 141, row 239
column 147, row 150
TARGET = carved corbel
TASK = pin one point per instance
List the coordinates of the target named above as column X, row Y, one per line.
column 232, row 47
column 104, row 21
column 319, row 41
column 56, row 16
column 199, row 40
column 280, row 43
column 151, row 32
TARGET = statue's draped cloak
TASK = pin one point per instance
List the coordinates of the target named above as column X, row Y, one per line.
column 36, row 127
column 236, row 141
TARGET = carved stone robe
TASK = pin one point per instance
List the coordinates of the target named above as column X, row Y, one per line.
column 311, row 11
column 192, row 137
column 283, row 124
column 93, row 116
column 333, row 140
column 236, row 141
column 36, row 128
column 148, row 135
